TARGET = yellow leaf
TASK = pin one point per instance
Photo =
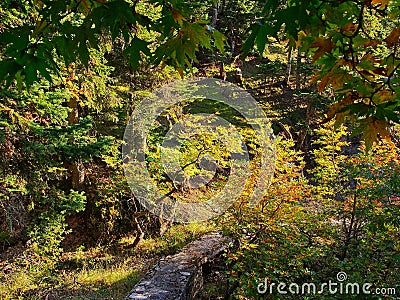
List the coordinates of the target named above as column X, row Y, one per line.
column 39, row 4
column 301, row 35
column 253, row 246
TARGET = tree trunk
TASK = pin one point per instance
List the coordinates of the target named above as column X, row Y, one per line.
column 214, row 16
column 77, row 169
column 289, row 67
column 73, row 115
column 222, row 7
column 78, row 175
column 298, row 65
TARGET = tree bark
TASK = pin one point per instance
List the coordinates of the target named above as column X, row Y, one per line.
column 77, row 168
column 289, row 67
column 298, row 65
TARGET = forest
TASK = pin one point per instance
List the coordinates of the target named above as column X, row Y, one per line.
column 324, row 77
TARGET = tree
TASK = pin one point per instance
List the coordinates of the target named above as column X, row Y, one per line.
column 54, row 31
column 355, row 44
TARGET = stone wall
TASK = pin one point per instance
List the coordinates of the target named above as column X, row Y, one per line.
column 180, row 276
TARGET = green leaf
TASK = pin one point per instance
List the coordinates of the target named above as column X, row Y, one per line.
column 19, row 79
column 133, row 51
column 249, row 43
column 390, row 115
column 65, row 49
column 261, row 38
column 8, row 70
column 219, row 40
column 83, row 54
column 270, row 6
column 30, row 72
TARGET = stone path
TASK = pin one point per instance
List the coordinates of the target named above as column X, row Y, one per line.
column 180, row 276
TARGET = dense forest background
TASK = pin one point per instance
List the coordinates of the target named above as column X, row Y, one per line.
column 72, row 72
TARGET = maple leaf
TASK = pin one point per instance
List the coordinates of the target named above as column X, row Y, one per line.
column 349, row 28
column 300, row 36
column 393, row 37
column 324, row 46
column 336, row 77
column 373, row 43
column 339, row 79
column 339, row 106
column 383, row 96
column 324, row 82
column 177, row 16
column 382, row 3
column 373, row 127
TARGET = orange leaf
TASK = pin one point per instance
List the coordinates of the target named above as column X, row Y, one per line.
column 393, row 37
column 373, row 43
column 335, row 110
column 336, row 77
column 177, row 16
column 383, row 96
column 324, row 46
column 314, row 79
column 324, row 82
column 349, row 27
column 339, row 79
column 337, row 107
column 382, row 3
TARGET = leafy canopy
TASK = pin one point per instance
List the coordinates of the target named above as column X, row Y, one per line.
column 50, row 31
column 355, row 43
